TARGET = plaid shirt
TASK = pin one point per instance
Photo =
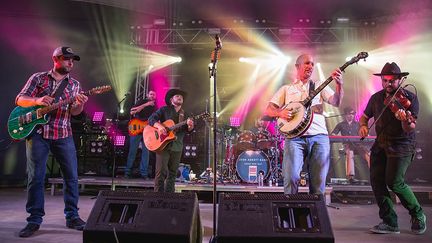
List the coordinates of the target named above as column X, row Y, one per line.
column 41, row 84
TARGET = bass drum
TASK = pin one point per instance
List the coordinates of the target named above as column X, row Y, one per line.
column 250, row 163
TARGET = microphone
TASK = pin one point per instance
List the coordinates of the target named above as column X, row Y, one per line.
column 218, row 42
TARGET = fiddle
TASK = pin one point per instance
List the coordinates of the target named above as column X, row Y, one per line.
column 398, row 103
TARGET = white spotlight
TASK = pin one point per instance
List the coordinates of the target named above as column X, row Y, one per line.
column 177, row 59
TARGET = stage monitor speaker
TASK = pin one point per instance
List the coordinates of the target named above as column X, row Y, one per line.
column 141, row 216
column 273, row 218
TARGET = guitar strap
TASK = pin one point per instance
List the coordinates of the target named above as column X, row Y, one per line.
column 60, row 88
column 311, row 86
column 181, row 115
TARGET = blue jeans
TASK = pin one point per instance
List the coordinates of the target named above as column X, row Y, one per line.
column 134, row 142
column 315, row 150
column 63, row 150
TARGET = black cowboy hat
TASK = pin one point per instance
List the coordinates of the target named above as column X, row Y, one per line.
column 173, row 92
column 391, row 69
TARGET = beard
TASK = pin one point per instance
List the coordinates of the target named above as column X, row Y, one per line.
column 62, row 70
column 177, row 102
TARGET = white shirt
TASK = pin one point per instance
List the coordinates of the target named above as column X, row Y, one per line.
column 297, row 91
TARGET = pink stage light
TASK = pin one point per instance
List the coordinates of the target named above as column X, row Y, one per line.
column 119, row 140
column 98, row 116
column 235, row 121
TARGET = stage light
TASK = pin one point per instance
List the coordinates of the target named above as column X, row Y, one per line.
column 159, row 22
column 234, row 121
column 343, row 20
column 177, row 59
column 98, row 117
column 190, row 151
column 98, row 146
column 119, row 140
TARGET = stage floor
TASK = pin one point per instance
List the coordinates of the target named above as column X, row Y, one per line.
column 350, row 222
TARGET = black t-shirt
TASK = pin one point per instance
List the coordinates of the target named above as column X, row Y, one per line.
column 347, row 129
column 389, row 129
column 145, row 113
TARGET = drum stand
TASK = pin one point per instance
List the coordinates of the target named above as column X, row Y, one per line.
column 227, row 169
column 275, row 169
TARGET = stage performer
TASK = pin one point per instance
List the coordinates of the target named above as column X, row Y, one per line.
column 141, row 110
column 393, row 150
column 350, row 127
column 55, row 136
column 168, row 160
column 314, row 145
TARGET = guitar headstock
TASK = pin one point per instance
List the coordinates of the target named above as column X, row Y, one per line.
column 99, row 90
column 361, row 55
column 204, row 116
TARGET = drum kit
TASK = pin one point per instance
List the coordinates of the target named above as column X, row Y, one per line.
column 246, row 154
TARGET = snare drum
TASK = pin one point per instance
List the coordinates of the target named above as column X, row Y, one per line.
column 246, row 140
column 250, row 163
column 264, row 140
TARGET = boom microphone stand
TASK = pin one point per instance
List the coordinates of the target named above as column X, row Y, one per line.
column 213, row 75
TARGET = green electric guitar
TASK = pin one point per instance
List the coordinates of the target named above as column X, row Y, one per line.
column 23, row 120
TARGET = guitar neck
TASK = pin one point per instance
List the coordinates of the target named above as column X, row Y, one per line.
column 48, row 109
column 316, row 91
column 178, row 125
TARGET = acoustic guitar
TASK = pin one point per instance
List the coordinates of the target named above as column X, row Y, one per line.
column 155, row 141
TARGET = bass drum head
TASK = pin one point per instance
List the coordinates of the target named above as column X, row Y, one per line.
column 250, row 163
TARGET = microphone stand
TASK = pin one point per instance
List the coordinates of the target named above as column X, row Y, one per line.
column 213, row 72
column 113, row 142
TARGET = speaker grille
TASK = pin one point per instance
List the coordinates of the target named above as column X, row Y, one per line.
column 271, row 196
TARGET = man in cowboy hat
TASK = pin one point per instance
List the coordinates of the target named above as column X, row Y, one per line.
column 392, row 152
column 167, row 160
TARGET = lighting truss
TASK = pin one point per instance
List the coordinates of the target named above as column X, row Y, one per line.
column 198, row 36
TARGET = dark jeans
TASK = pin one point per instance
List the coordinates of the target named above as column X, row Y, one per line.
column 389, row 172
column 167, row 163
column 37, row 149
column 133, row 148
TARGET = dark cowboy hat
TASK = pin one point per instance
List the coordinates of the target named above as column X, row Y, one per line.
column 173, row 92
column 391, row 69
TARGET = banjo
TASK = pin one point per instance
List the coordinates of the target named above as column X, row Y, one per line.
column 301, row 110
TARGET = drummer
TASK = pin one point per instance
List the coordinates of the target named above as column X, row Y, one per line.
column 260, row 126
